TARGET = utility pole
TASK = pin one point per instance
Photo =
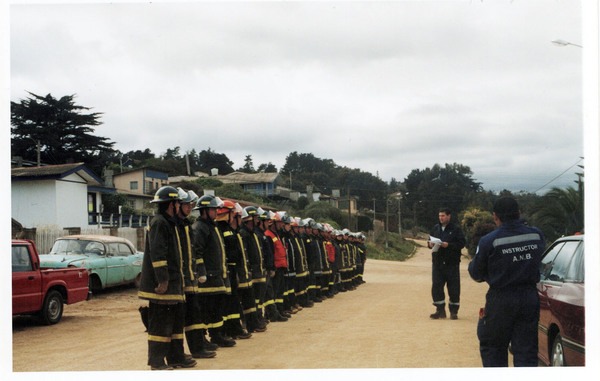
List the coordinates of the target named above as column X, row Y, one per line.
column 387, row 219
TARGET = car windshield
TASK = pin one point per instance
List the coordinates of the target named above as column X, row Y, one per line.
column 77, row 246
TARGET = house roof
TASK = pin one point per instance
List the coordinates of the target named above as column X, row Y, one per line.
column 248, row 178
column 55, row 172
column 149, row 167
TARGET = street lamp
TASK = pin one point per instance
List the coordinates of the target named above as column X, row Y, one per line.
column 563, row 43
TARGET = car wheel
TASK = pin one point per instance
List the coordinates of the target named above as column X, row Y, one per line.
column 95, row 284
column 558, row 354
column 52, row 309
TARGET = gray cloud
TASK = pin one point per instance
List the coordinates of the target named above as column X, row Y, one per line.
column 386, row 87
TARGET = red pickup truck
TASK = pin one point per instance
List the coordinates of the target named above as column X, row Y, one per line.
column 43, row 291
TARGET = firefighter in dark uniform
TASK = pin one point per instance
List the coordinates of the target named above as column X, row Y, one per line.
column 362, row 250
column 244, row 275
column 232, row 319
column 193, row 273
column 508, row 259
column 256, row 259
column 290, row 301
column 279, row 264
column 162, row 285
column 302, row 281
column 208, row 244
column 445, row 265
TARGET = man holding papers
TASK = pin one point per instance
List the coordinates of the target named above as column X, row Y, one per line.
column 446, row 241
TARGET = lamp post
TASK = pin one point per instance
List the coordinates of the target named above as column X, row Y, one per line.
column 563, row 43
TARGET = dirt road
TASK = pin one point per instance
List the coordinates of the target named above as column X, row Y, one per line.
column 384, row 323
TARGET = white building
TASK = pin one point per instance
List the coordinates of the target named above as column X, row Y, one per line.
column 54, row 196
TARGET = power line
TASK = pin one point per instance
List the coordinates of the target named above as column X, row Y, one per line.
column 543, row 186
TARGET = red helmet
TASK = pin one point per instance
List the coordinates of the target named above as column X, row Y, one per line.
column 227, row 207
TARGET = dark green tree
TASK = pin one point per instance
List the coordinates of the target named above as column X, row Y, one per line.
column 267, row 168
column 432, row 188
column 64, row 130
column 248, row 166
column 560, row 212
column 209, row 159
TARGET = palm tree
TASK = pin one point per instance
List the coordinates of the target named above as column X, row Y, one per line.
column 560, row 212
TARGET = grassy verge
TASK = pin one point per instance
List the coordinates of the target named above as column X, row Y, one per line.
column 397, row 250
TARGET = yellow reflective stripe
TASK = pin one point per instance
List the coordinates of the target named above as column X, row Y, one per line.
column 227, row 233
column 151, row 295
column 222, row 253
column 204, row 290
column 199, row 261
column 215, row 325
column 230, row 317
column 194, row 327
column 180, row 254
column 177, row 336
column 160, row 339
column 302, row 274
column 275, row 239
column 159, row 264
column 278, row 300
column 259, row 250
column 245, row 285
column 259, row 280
column 244, row 259
column 249, row 310
column 189, row 247
column 268, row 302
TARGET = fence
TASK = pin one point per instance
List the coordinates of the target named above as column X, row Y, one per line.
column 44, row 238
column 118, row 220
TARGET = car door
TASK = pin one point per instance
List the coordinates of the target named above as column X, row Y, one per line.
column 115, row 265
column 132, row 263
column 26, row 281
column 553, row 270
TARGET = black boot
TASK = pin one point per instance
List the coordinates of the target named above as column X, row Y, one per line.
column 440, row 313
column 217, row 337
column 207, row 345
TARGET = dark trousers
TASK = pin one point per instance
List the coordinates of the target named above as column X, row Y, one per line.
column 511, row 316
column 270, row 308
column 194, row 325
column 278, row 284
column 289, row 295
column 249, row 307
column 260, row 291
column 165, row 333
column 446, row 275
column 232, row 317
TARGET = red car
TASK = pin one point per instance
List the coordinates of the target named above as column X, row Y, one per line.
column 561, row 329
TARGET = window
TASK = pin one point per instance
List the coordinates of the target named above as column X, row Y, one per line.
column 546, row 265
column 560, row 265
column 576, row 272
column 20, row 259
column 133, row 185
column 124, row 250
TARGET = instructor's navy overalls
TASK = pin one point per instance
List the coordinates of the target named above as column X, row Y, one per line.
column 508, row 259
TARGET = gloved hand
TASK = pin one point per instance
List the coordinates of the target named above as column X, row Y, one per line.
column 272, row 273
column 202, row 279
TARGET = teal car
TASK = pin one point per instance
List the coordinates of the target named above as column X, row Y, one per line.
column 110, row 261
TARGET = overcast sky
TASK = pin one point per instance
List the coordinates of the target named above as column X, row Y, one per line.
column 386, row 87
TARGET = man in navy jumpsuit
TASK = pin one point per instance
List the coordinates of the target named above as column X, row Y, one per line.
column 508, row 259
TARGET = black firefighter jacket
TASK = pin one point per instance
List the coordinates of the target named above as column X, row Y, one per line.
column 162, row 261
